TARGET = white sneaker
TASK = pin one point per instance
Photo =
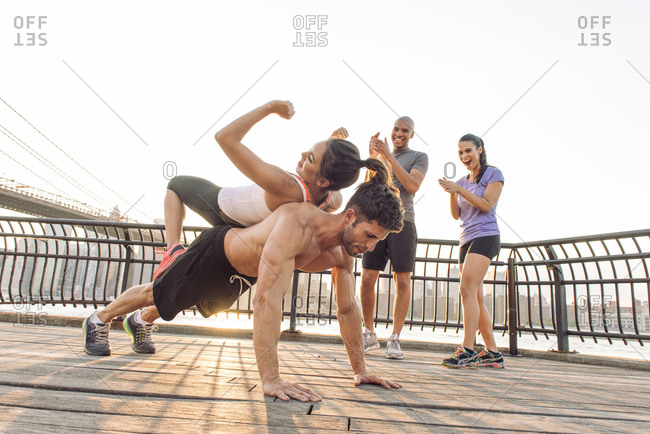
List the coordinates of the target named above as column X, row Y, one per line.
column 393, row 349
column 370, row 341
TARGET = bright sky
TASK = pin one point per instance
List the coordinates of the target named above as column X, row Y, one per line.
column 566, row 123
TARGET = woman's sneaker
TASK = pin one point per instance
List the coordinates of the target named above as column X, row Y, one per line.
column 168, row 259
column 370, row 341
column 462, row 358
column 488, row 359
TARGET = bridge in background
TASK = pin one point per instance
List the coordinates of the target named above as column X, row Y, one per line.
column 22, row 198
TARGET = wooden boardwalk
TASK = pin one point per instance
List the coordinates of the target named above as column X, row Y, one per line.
column 208, row 384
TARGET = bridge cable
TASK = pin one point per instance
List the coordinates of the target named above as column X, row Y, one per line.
column 53, row 167
column 39, row 176
column 75, row 161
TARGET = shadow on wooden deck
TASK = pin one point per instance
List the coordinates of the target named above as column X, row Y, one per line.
column 197, row 383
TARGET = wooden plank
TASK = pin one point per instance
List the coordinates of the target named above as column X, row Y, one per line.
column 182, row 415
column 39, row 421
column 143, row 415
column 517, row 424
column 432, row 414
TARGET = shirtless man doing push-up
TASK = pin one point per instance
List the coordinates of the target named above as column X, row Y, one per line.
column 222, row 262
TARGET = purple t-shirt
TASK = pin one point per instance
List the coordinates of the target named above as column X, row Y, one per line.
column 473, row 222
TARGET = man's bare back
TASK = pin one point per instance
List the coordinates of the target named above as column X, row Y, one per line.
column 309, row 232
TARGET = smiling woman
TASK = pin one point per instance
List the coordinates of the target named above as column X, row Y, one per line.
column 473, row 200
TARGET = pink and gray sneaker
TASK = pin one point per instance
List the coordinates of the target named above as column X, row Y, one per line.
column 168, row 259
column 488, row 359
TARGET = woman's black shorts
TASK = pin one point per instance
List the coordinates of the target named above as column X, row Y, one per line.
column 487, row 246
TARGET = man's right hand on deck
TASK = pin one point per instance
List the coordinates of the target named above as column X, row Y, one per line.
column 366, row 378
column 285, row 390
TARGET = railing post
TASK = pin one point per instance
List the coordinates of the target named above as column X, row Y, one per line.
column 294, row 297
column 561, row 316
column 512, row 307
column 127, row 263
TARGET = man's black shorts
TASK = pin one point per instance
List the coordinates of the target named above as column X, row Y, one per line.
column 487, row 246
column 201, row 274
column 399, row 247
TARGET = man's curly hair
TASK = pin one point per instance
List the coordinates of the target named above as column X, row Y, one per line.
column 375, row 200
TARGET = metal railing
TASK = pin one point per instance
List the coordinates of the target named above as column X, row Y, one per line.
column 590, row 287
column 597, row 286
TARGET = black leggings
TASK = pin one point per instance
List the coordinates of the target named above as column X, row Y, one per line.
column 200, row 195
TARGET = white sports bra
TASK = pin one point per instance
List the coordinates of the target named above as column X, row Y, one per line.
column 246, row 205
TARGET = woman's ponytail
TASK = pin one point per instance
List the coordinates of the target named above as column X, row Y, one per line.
column 378, row 172
column 341, row 165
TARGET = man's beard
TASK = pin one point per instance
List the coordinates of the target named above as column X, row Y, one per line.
column 348, row 245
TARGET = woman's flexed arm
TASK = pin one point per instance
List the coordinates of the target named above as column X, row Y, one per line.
column 271, row 178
